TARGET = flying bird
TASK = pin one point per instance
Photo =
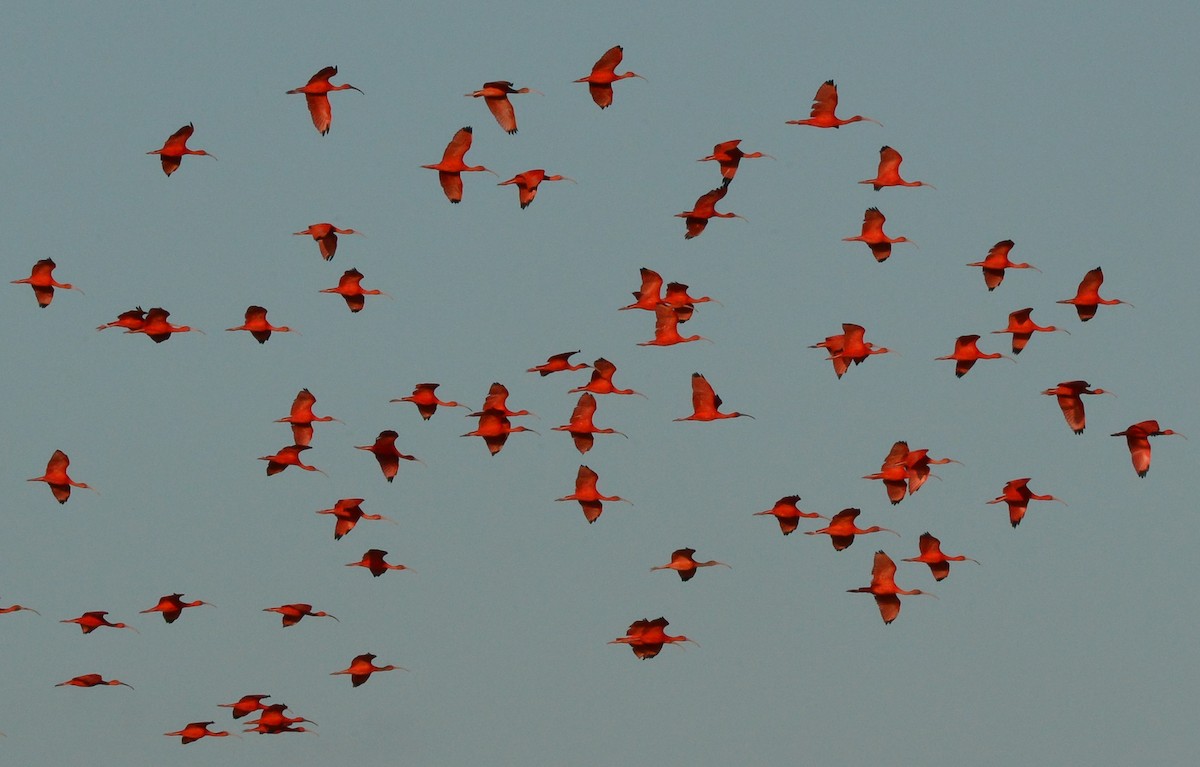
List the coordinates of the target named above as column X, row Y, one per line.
column 604, row 75
column 601, row 381
column 1087, row 298
column 361, row 668
column 1069, row 394
column 666, row 328
column 824, row 107
column 581, row 428
column 301, row 418
column 175, row 147
column 889, row 171
column 495, row 94
column 374, row 561
column 172, row 605
column 247, row 704
column 683, row 563
column 931, row 554
column 346, row 513
column 132, row 319
column 425, row 398
column 788, row 514
column 728, row 155
column 704, row 209
column 494, row 428
column 557, row 363
column 1023, row 328
column 528, row 182
column 589, row 498
column 258, row 326
column 646, row 637
column 996, row 262
column 94, row 619
column 706, row 405
column 294, row 613
column 56, row 477
column 883, row 587
column 17, row 609
column 194, row 731
column 41, row 279
column 873, row 236
column 1017, row 495
column 676, row 296
column 451, row 168
column 1137, row 437
column 496, row 402
column 386, row 453
column 325, row 235
column 155, row 326
column 966, row 353
column 350, row 288
column 649, row 295
column 316, row 93
column 842, row 529
column 92, row 680
column 287, row 456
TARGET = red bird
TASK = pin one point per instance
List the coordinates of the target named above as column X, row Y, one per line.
column 496, row 402
column 156, row 326
column 495, row 94
column 1137, row 437
column 17, row 609
column 273, row 721
column 1087, row 298
column 676, row 297
column 1023, row 328
column 247, row 704
column 386, row 453
column 41, row 279
column 172, row 605
column 1069, row 399
column 683, row 563
column 175, row 147
column 729, row 156
column 996, row 262
column 451, row 168
column 966, row 353
column 557, row 363
column 195, row 731
column 56, row 477
column 325, row 235
column 889, row 171
column 604, row 75
column 361, row 668
column 426, row 400
column 842, row 529
column 347, row 512
column 494, row 427
column 350, row 288
column 883, row 587
column 581, row 428
column 92, row 680
column 666, row 328
column 703, row 210
column 256, row 322
column 788, row 514
column 134, row 319
column 301, row 418
column 294, row 613
column 601, row 380
column 316, row 92
column 649, row 296
column 90, row 621
column 931, row 554
column 824, row 107
column 646, row 637
column 1018, row 495
column 373, row 561
column 528, row 182
column 287, row 456
column 872, row 234
column 588, row 496
column 706, row 405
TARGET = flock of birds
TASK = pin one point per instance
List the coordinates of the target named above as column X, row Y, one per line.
column 903, row 471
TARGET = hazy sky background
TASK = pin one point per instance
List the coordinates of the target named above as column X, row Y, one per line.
column 1070, row 132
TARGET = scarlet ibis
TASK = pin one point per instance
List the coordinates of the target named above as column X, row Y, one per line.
column 590, row 499
column 361, row 668
column 451, row 168
column 996, row 262
column 1138, row 437
column 706, row 405
column 325, row 235
column 316, row 92
column 495, row 94
column 604, row 75
column 824, row 107
column 889, row 171
column 1069, row 395
column 175, row 147
column 685, row 564
column 41, row 279
column 883, row 587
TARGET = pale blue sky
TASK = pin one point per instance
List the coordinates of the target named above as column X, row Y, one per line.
column 1071, row 133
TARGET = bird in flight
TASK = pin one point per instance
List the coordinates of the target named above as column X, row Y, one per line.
column 883, row 587
column 41, row 279
column 604, row 75
column 495, row 94
column 824, row 107
column 452, row 166
column 175, row 147
column 316, row 93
